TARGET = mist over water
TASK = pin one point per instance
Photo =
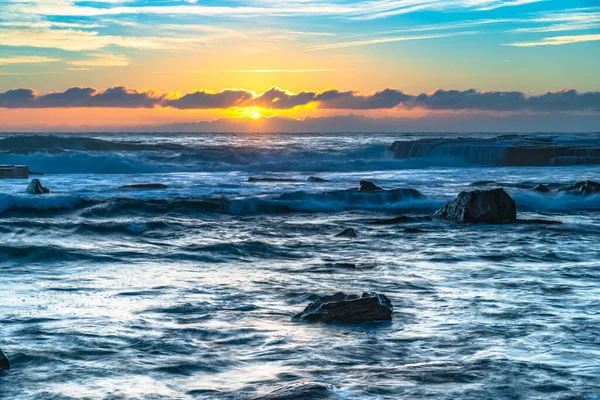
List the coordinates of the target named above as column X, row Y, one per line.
column 188, row 292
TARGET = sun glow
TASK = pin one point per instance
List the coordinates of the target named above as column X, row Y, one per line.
column 255, row 115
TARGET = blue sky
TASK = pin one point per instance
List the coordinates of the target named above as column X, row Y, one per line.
column 415, row 46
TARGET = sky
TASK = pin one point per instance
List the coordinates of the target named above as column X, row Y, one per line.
column 120, row 64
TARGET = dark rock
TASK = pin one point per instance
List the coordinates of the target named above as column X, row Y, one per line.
column 487, row 206
column 144, row 186
column 347, row 233
column 541, row 188
column 347, row 309
column 585, row 188
column 536, row 221
column 35, row 187
column 36, row 173
column 4, row 362
column 366, row 186
column 14, row 172
column 354, row 196
column 317, row 179
column 400, row 219
column 254, row 179
column 300, row 391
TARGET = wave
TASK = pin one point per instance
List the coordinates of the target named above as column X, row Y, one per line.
column 300, row 201
column 558, row 203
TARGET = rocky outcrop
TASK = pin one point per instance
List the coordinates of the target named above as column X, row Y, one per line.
column 35, row 187
column 316, row 179
column 14, row 172
column 255, row 179
column 487, row 206
column 366, row 186
column 585, row 188
column 344, row 308
column 4, row 362
column 302, row 390
column 347, row 233
column 144, row 186
column 505, row 150
column 540, row 188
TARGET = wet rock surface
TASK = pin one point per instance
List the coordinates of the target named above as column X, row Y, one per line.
column 585, row 188
column 4, row 362
column 36, row 187
column 486, row 206
column 144, row 186
column 540, row 188
column 316, row 179
column 342, row 308
column 366, row 186
column 347, row 233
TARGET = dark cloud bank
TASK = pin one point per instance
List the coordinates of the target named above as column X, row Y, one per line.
column 275, row 98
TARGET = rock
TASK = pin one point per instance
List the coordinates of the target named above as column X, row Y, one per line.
column 541, row 188
column 366, row 186
column 487, row 206
column 535, row 221
column 254, row 179
column 144, row 186
column 317, row 179
column 14, row 172
column 347, row 233
column 585, row 188
column 347, row 309
column 35, row 187
column 4, row 362
column 302, row 390
column 399, row 220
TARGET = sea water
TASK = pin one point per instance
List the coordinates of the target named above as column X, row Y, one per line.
column 188, row 291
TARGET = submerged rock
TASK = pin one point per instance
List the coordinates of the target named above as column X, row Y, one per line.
column 144, row 186
column 301, row 390
column 585, row 188
column 366, row 186
column 541, row 188
column 399, row 220
column 255, row 179
column 35, row 187
column 347, row 233
column 316, row 179
column 487, row 206
column 4, row 362
column 347, row 309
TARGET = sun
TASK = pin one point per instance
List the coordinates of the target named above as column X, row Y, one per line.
column 255, row 115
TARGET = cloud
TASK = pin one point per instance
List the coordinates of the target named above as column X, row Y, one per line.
column 367, row 42
column 278, row 99
column 365, row 9
column 102, row 60
column 26, row 60
column 226, row 98
column 388, row 98
column 117, row 97
column 558, row 40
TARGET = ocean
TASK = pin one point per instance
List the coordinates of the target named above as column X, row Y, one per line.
column 187, row 291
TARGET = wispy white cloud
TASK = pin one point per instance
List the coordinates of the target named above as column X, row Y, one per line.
column 379, row 40
column 102, row 60
column 26, row 60
column 557, row 41
column 357, row 9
